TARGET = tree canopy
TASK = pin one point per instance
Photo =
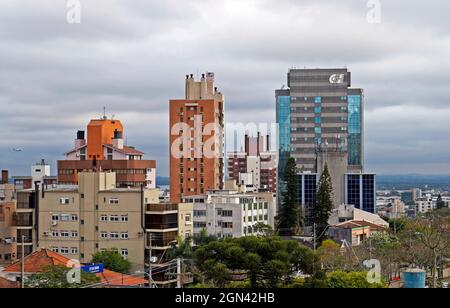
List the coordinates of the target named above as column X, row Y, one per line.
column 55, row 277
column 112, row 260
column 264, row 261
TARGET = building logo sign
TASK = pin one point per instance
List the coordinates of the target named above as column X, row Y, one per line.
column 337, row 78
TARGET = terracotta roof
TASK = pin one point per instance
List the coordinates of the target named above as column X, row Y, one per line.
column 6, row 284
column 117, row 279
column 35, row 263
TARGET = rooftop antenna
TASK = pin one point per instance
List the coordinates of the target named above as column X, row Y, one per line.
column 104, row 113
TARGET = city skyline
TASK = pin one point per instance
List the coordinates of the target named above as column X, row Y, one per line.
column 132, row 61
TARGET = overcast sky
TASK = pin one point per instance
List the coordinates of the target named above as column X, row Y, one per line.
column 132, row 56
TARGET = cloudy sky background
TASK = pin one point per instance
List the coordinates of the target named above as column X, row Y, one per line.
column 132, row 56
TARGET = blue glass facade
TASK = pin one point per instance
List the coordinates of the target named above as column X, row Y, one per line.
column 284, row 132
column 361, row 191
column 354, row 130
column 307, row 192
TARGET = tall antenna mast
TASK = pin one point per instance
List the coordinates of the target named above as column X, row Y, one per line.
column 104, row 113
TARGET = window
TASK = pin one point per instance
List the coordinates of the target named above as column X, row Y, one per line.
column 199, row 213
column 104, row 218
column 198, row 224
column 74, row 233
column 318, row 109
column 55, row 249
column 55, row 217
column 187, row 218
column 317, row 120
column 114, row 218
column 124, row 218
column 318, row 130
column 65, row 234
column 318, row 99
column 114, row 235
column 227, row 225
column 124, row 235
column 55, row 233
column 74, row 217
column 104, row 235
column 124, row 252
column 227, row 213
column 74, row 250
column 65, row 217
column 64, row 201
column 65, row 250
column 113, row 201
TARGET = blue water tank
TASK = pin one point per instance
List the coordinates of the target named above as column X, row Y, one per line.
column 414, row 279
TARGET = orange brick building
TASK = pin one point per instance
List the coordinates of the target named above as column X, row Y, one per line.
column 197, row 139
column 104, row 150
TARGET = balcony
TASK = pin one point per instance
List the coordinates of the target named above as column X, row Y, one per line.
column 23, row 220
column 161, row 226
column 161, row 207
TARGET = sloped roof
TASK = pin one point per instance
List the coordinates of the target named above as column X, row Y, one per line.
column 117, row 279
column 6, row 284
column 126, row 150
column 36, row 262
column 358, row 224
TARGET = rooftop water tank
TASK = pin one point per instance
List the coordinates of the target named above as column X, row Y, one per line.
column 414, row 279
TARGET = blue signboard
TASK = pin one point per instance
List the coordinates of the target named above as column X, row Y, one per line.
column 93, row 268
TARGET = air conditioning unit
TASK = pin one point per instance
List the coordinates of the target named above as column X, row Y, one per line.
column 7, row 241
column 54, row 222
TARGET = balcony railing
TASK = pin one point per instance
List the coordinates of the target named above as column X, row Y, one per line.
column 161, row 207
column 18, row 222
column 161, row 226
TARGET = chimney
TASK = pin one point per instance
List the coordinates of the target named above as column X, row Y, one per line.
column 118, row 140
column 5, row 177
column 80, row 141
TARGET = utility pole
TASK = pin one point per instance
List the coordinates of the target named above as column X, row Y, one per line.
column 150, row 274
column 179, row 285
column 314, row 236
column 22, row 265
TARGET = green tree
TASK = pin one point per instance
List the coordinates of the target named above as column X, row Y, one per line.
column 55, row 277
column 112, row 260
column 351, row 280
column 331, row 256
column 262, row 261
column 263, row 229
column 180, row 249
column 288, row 220
column 324, row 204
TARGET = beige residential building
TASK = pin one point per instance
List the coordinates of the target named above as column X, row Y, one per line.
column 16, row 222
column 79, row 221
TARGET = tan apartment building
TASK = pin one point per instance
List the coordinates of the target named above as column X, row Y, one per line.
column 197, row 139
column 16, row 222
column 79, row 221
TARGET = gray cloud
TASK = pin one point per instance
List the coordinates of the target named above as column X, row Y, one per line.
column 131, row 56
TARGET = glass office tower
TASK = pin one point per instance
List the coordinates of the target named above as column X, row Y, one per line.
column 355, row 127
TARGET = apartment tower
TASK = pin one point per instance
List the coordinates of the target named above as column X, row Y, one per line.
column 106, row 150
column 197, row 139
